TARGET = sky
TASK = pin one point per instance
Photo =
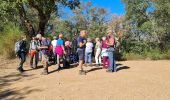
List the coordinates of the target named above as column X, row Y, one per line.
column 113, row 6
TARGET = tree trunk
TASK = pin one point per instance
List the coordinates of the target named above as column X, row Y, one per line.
column 42, row 23
column 25, row 22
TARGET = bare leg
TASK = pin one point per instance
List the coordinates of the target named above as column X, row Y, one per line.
column 58, row 61
column 81, row 64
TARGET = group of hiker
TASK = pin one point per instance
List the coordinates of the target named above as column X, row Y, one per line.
column 60, row 51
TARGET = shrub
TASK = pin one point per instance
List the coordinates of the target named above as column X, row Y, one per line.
column 132, row 56
column 167, row 55
column 9, row 36
column 155, row 55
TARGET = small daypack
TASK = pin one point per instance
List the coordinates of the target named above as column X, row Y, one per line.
column 17, row 47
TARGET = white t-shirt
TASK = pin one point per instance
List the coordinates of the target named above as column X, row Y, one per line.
column 54, row 43
column 89, row 47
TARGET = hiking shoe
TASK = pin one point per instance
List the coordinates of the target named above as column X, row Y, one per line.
column 32, row 66
column 85, row 65
column 35, row 66
column 109, row 71
column 20, row 70
column 82, row 72
column 58, row 67
column 44, row 73
column 97, row 65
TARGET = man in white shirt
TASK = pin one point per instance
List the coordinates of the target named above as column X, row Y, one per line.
column 88, row 51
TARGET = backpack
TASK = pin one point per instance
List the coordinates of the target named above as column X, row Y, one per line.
column 17, row 47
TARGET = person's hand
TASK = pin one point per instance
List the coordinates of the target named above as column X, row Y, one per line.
column 84, row 41
column 65, row 52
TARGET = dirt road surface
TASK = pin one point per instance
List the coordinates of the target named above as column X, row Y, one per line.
column 134, row 80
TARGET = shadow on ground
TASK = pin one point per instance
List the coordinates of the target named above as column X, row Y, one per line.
column 64, row 68
column 121, row 67
column 14, row 94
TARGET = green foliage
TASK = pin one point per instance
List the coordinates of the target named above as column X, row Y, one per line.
column 147, row 28
column 154, row 54
column 91, row 18
column 145, row 34
column 9, row 36
column 136, row 11
column 167, row 55
column 132, row 56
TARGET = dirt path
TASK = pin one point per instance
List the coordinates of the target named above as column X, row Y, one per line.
column 135, row 80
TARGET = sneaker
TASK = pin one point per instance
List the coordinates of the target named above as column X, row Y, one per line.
column 35, row 66
column 85, row 65
column 97, row 65
column 109, row 71
column 58, row 67
column 20, row 70
column 31, row 66
column 44, row 73
column 82, row 72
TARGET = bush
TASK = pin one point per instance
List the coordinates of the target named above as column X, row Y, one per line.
column 167, row 55
column 9, row 36
column 155, row 55
column 132, row 56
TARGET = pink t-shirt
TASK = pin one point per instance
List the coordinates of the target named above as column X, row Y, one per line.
column 104, row 45
column 110, row 40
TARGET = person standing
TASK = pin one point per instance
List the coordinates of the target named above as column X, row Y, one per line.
column 54, row 42
column 81, row 50
column 104, row 53
column 74, row 47
column 88, row 51
column 98, row 52
column 59, row 50
column 110, row 44
column 43, row 49
column 67, row 60
column 33, row 52
column 21, row 54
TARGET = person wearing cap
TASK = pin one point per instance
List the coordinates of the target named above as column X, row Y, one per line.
column 110, row 48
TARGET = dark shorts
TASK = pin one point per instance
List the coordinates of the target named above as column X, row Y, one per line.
column 81, row 54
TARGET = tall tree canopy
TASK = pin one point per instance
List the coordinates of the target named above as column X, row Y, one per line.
column 44, row 9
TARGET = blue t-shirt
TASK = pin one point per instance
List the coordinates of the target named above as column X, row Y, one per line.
column 60, row 42
column 44, row 43
column 81, row 40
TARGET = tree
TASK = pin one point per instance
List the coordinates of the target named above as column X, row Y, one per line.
column 161, row 16
column 8, row 13
column 92, row 18
column 44, row 10
column 46, row 7
column 136, row 11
